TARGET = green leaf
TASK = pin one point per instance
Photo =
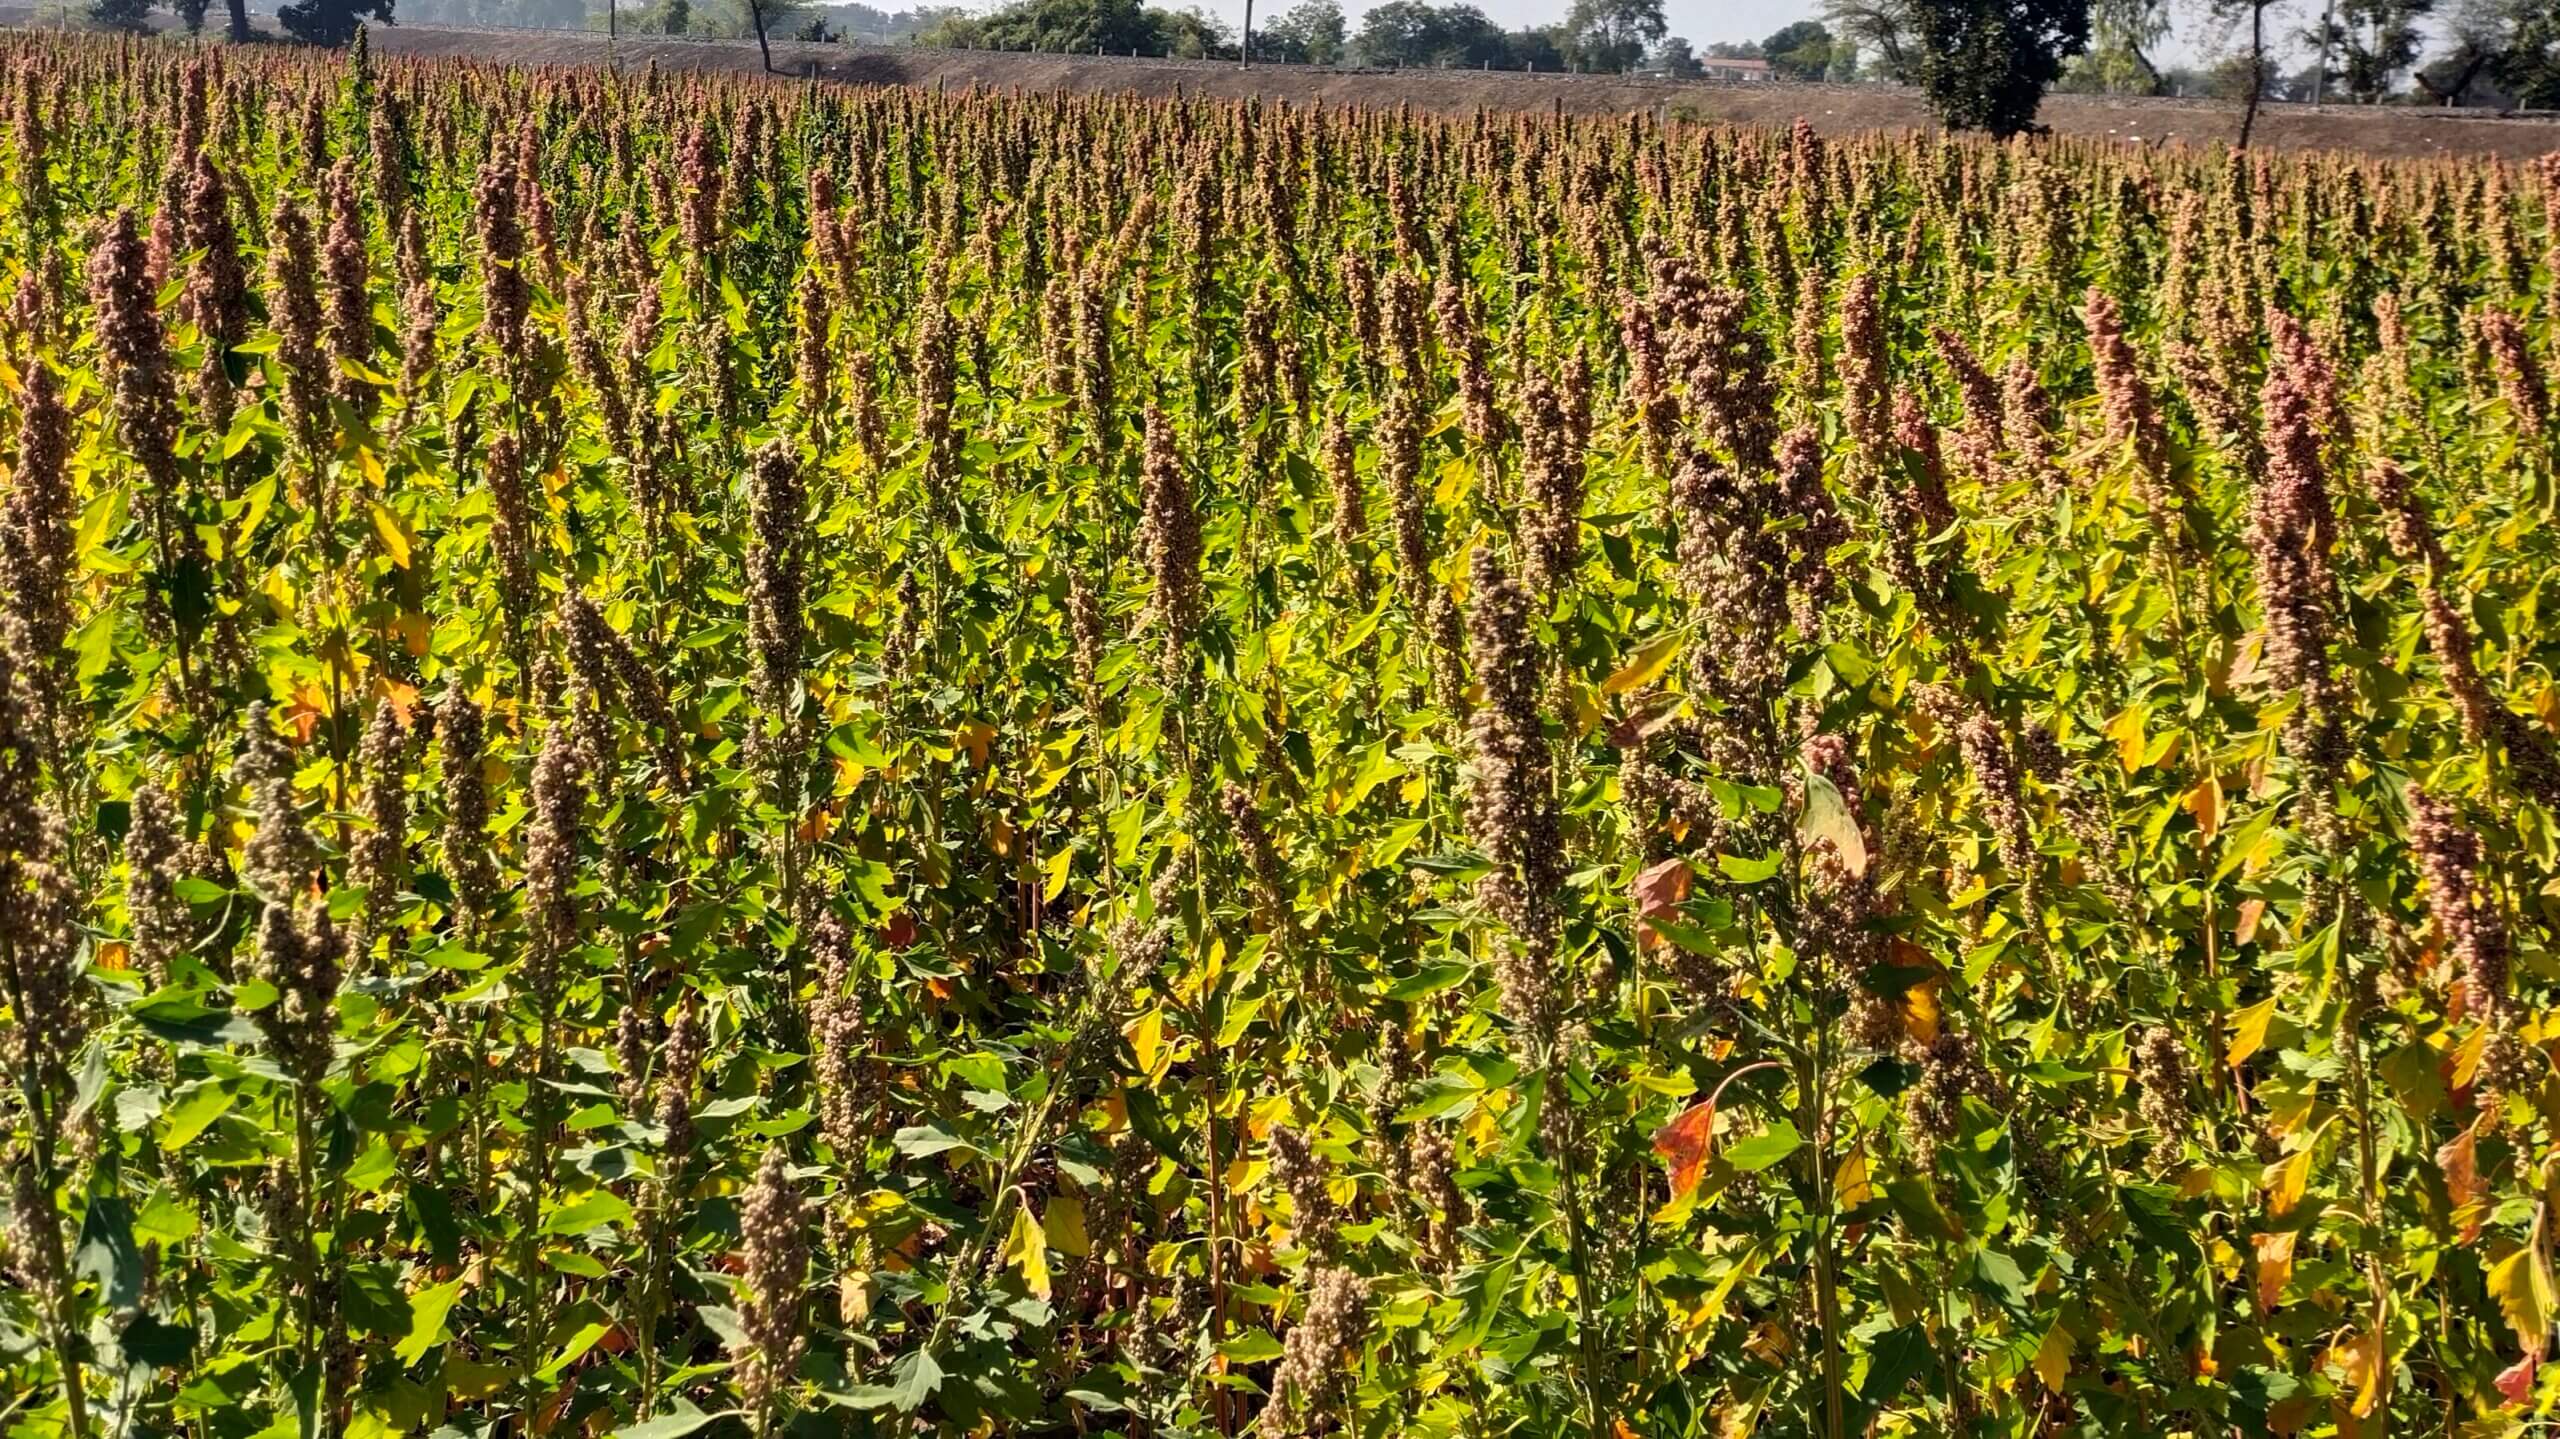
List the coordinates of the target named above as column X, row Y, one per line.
column 1765, row 1148
column 1747, row 871
column 673, row 1425
column 197, row 1106
column 427, row 1311
column 1254, row 1346
column 912, row 1380
column 1896, row 1359
column 592, row 1210
column 1998, row 1275
column 1433, row 979
column 108, row 1255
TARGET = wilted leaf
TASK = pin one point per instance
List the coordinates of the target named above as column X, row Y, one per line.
column 1659, row 891
column 1686, row 1142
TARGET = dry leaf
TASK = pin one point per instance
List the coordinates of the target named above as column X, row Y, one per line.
column 1658, row 892
column 2459, row 1161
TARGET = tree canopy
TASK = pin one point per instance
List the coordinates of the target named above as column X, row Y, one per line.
column 1985, row 64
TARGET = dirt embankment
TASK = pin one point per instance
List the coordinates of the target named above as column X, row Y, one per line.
column 2394, row 130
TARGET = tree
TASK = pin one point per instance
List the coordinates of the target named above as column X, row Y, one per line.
column 2529, row 66
column 1308, row 33
column 128, row 15
column 1415, row 34
column 1673, row 57
column 2482, row 32
column 1882, row 26
column 1985, row 64
column 1532, row 47
column 239, row 29
column 332, row 23
column 2371, row 42
column 764, row 49
column 2118, row 61
column 1801, row 51
column 1734, row 50
column 1606, row 36
column 190, row 14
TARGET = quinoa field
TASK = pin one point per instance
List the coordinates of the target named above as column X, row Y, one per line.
column 690, row 754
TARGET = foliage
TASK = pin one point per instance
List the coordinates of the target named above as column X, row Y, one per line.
column 1115, row 27
column 1607, row 36
column 690, row 755
column 1799, row 51
column 330, row 23
column 1311, row 32
column 1885, row 29
column 1417, row 34
column 128, row 15
column 2370, row 43
column 1985, row 64
column 2529, row 64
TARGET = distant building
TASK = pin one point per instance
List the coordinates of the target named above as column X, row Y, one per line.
column 1711, row 68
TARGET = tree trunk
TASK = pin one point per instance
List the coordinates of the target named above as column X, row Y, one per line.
column 239, row 22
column 1244, row 49
column 2257, row 69
column 755, row 12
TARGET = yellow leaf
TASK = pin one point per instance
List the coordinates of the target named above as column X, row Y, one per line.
column 1646, row 665
column 1055, row 871
column 2053, row 1357
column 2287, row 1178
column 2205, row 803
column 2521, row 1283
column 2126, row 730
column 1146, row 1039
column 976, row 737
column 1920, row 1010
column 2249, row 1032
column 2358, row 1360
column 1849, row 1185
column 395, row 536
column 1063, row 1225
column 2466, row 1056
column 1027, row 1249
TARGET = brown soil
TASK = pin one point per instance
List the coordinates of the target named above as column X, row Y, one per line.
column 2395, row 130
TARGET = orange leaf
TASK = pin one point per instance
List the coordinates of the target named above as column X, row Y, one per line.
column 2275, row 1266
column 1686, row 1141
